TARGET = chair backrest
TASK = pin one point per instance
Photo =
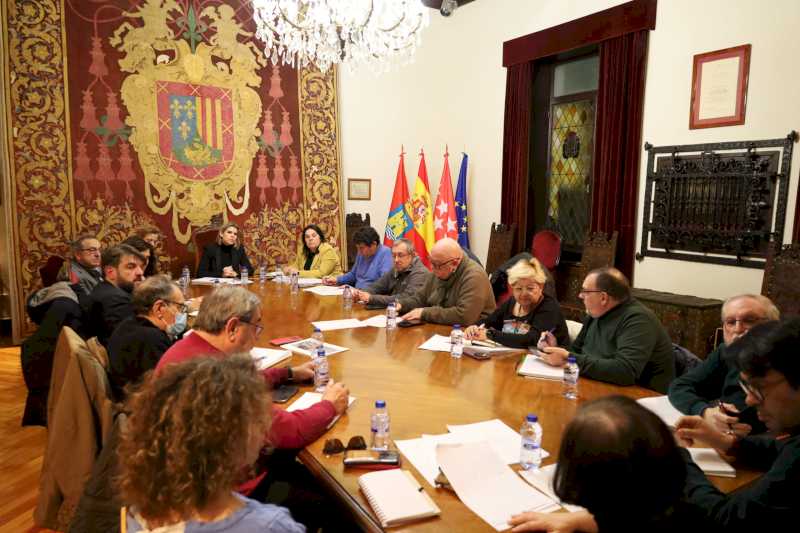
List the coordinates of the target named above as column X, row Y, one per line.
column 352, row 222
column 201, row 237
column 598, row 251
column 546, row 247
column 49, row 272
column 781, row 273
column 501, row 244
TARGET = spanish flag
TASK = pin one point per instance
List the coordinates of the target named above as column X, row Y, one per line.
column 421, row 211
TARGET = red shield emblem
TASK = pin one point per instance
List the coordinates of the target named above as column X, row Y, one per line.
column 195, row 129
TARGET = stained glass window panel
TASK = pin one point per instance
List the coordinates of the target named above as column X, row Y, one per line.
column 571, row 148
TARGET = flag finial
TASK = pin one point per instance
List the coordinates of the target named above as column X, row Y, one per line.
column 446, row 150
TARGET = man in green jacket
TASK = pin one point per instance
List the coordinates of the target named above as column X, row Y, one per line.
column 711, row 389
column 459, row 291
column 622, row 341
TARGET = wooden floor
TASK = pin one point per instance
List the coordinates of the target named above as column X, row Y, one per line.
column 21, row 450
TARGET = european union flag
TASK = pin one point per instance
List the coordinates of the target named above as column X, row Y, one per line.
column 461, row 204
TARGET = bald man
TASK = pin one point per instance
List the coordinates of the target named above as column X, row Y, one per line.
column 459, row 291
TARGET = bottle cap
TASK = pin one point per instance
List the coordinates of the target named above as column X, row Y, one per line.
column 380, row 404
column 316, row 329
column 532, row 418
column 456, row 326
column 571, row 359
column 320, row 351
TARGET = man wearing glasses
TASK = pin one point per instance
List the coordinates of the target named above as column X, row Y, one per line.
column 405, row 279
column 459, row 291
column 83, row 268
column 712, row 389
column 622, row 341
column 770, row 378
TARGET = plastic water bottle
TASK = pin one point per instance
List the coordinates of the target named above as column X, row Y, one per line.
column 456, row 342
column 379, row 422
column 321, row 370
column 317, row 336
column 347, row 298
column 391, row 315
column 262, row 275
column 294, row 286
column 570, row 379
column 185, row 281
column 245, row 275
column 530, row 452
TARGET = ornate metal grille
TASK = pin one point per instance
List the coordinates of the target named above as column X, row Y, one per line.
column 716, row 203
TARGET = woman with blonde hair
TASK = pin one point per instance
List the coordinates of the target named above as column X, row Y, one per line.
column 520, row 320
column 179, row 462
column 226, row 257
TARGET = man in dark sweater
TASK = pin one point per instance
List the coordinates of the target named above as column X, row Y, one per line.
column 622, row 341
column 406, row 278
column 110, row 302
column 712, row 389
column 770, row 374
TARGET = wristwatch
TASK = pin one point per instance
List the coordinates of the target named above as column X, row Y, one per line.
column 289, row 374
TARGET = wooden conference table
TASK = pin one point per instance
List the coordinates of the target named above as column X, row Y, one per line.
column 424, row 392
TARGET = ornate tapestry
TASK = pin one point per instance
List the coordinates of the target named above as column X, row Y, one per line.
column 162, row 112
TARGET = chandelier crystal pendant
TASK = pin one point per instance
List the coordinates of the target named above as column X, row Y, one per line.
column 328, row 32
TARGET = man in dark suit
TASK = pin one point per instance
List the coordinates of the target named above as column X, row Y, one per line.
column 110, row 302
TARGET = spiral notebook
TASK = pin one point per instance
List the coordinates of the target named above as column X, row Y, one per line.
column 396, row 497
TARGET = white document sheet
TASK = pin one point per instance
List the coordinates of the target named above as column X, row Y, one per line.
column 711, row 463
column 504, row 441
column 660, row 405
column 533, row 367
column 267, row 357
column 220, row 281
column 325, row 290
column 376, row 321
column 310, row 398
column 542, row 479
column 422, row 452
column 487, row 486
column 345, row 323
column 437, row 343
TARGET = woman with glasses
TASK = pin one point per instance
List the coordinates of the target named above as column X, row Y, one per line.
column 520, row 321
column 138, row 342
column 315, row 257
column 226, row 257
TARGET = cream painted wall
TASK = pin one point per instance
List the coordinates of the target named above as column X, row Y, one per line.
column 457, row 97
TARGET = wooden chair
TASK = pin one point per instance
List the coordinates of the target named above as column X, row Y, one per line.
column 546, row 247
column 501, row 244
column 201, row 237
column 353, row 221
column 781, row 273
column 49, row 272
column 598, row 251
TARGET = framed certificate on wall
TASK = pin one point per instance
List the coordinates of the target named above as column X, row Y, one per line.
column 359, row 189
column 719, row 88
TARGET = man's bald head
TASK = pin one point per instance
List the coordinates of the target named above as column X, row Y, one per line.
column 446, row 255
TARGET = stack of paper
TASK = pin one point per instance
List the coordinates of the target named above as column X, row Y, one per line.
column 310, row 398
column 345, row 323
column 376, row 321
column 267, row 357
column 325, row 290
column 542, row 479
column 711, row 463
column 441, row 343
column 487, row 486
column 661, row 406
column 308, row 347
column 532, row 366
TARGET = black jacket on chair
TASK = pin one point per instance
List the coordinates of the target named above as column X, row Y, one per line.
column 211, row 263
column 108, row 305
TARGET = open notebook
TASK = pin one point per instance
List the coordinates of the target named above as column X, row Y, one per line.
column 396, row 497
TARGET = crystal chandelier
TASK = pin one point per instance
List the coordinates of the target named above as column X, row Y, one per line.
column 327, row 32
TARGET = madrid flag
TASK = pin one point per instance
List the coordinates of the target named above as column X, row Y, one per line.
column 444, row 217
column 419, row 208
column 399, row 223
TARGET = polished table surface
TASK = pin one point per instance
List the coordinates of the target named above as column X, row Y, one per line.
column 424, row 391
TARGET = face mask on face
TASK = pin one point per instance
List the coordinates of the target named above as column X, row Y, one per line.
column 173, row 330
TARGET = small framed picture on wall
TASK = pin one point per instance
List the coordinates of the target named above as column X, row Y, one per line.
column 719, row 88
column 359, row 189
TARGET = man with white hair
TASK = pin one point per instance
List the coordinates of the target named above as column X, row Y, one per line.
column 711, row 389
column 406, row 277
column 459, row 291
